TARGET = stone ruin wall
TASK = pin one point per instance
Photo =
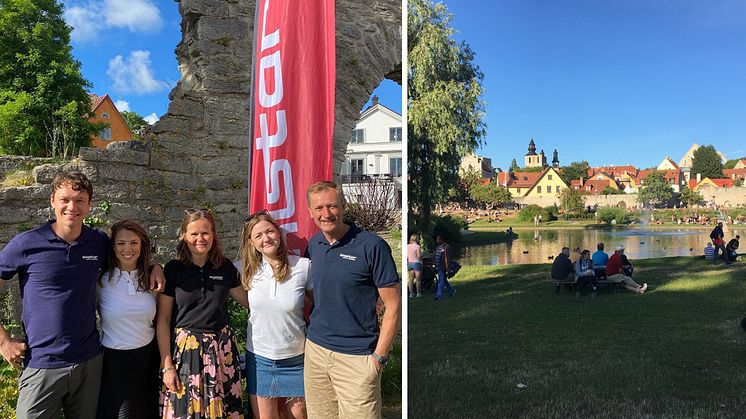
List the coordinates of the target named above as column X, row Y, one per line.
column 197, row 154
column 723, row 197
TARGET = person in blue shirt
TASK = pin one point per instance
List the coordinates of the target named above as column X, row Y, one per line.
column 345, row 347
column 599, row 259
column 58, row 265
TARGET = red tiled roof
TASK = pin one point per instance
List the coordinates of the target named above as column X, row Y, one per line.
column 723, row 183
column 667, row 174
column 613, row 171
column 519, row 179
column 95, row 100
column 735, row 173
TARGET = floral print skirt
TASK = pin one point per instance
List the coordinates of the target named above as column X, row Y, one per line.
column 209, row 369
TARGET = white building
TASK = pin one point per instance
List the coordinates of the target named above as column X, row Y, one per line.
column 375, row 150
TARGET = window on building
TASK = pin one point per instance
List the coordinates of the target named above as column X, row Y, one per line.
column 356, row 167
column 395, row 134
column 517, row 190
column 395, row 166
column 105, row 115
column 549, row 177
column 557, row 190
column 358, row 136
column 538, row 189
column 105, row 134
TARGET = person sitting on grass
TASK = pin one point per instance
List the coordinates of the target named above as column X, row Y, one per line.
column 562, row 268
column 584, row 274
column 709, row 252
column 731, row 248
column 615, row 272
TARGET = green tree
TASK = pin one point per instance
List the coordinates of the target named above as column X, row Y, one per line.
column 575, row 170
column 513, row 166
column 730, row 164
column 655, row 190
column 445, row 109
column 490, row 195
column 691, row 197
column 706, row 161
column 611, row 191
column 43, row 102
column 134, row 120
column 572, row 201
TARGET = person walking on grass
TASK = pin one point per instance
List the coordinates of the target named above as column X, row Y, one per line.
column 615, row 272
column 442, row 263
column 414, row 267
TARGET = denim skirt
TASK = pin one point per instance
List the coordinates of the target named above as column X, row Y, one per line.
column 274, row 378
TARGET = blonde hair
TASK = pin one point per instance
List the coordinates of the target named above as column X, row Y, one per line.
column 215, row 255
column 251, row 258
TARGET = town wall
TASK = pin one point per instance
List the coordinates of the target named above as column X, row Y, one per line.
column 722, row 197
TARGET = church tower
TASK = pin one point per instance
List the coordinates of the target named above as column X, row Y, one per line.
column 555, row 159
column 531, row 158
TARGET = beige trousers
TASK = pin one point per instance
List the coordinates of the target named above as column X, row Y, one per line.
column 339, row 385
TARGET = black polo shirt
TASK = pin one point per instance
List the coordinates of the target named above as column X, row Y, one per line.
column 201, row 294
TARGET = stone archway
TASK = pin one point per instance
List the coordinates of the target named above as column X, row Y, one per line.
column 198, row 154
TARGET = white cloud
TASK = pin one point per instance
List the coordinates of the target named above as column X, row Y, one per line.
column 89, row 19
column 151, row 119
column 122, row 106
column 134, row 74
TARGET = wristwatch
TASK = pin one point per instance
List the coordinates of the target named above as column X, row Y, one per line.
column 382, row 360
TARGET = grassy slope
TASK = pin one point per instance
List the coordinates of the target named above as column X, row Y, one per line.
column 675, row 352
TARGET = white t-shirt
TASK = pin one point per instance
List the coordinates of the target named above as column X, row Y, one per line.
column 126, row 314
column 276, row 329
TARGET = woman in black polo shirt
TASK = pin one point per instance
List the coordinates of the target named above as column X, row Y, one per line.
column 202, row 377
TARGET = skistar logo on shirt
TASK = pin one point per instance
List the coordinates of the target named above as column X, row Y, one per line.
column 348, row 257
column 216, row 277
column 90, row 258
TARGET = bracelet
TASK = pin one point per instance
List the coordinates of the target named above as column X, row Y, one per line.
column 165, row 370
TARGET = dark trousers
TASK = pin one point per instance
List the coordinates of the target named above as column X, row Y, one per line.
column 130, row 384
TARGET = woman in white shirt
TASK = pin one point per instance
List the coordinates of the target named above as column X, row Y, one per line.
column 129, row 379
column 278, row 286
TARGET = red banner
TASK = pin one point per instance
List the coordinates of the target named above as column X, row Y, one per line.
column 292, row 109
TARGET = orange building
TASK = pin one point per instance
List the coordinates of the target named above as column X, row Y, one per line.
column 105, row 111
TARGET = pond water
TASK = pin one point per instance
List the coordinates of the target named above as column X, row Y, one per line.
column 536, row 246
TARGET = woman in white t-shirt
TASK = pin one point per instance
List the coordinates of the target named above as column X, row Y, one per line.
column 278, row 287
column 129, row 379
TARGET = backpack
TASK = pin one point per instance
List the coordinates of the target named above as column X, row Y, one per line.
column 453, row 268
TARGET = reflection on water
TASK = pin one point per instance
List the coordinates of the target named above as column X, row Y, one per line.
column 537, row 246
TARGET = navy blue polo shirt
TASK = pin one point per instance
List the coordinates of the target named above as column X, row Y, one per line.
column 201, row 294
column 346, row 277
column 58, row 289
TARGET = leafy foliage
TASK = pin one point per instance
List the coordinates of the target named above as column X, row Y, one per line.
column 575, row 170
column 572, row 201
column 706, row 162
column 731, row 164
column 655, row 190
column 528, row 212
column 43, row 102
column 608, row 214
column 611, row 191
column 134, row 121
column 691, row 197
column 490, row 194
column 450, row 226
column 445, row 109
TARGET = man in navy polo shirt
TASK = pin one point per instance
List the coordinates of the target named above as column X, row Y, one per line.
column 345, row 349
column 57, row 266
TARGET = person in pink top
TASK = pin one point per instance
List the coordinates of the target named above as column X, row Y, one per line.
column 414, row 267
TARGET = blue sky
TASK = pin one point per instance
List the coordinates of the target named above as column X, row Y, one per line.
column 610, row 82
column 126, row 48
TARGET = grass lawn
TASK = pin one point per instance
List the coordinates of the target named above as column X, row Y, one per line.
column 674, row 352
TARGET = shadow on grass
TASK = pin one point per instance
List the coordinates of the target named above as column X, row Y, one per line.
column 675, row 351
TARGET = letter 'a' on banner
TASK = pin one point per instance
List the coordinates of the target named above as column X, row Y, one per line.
column 292, row 110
